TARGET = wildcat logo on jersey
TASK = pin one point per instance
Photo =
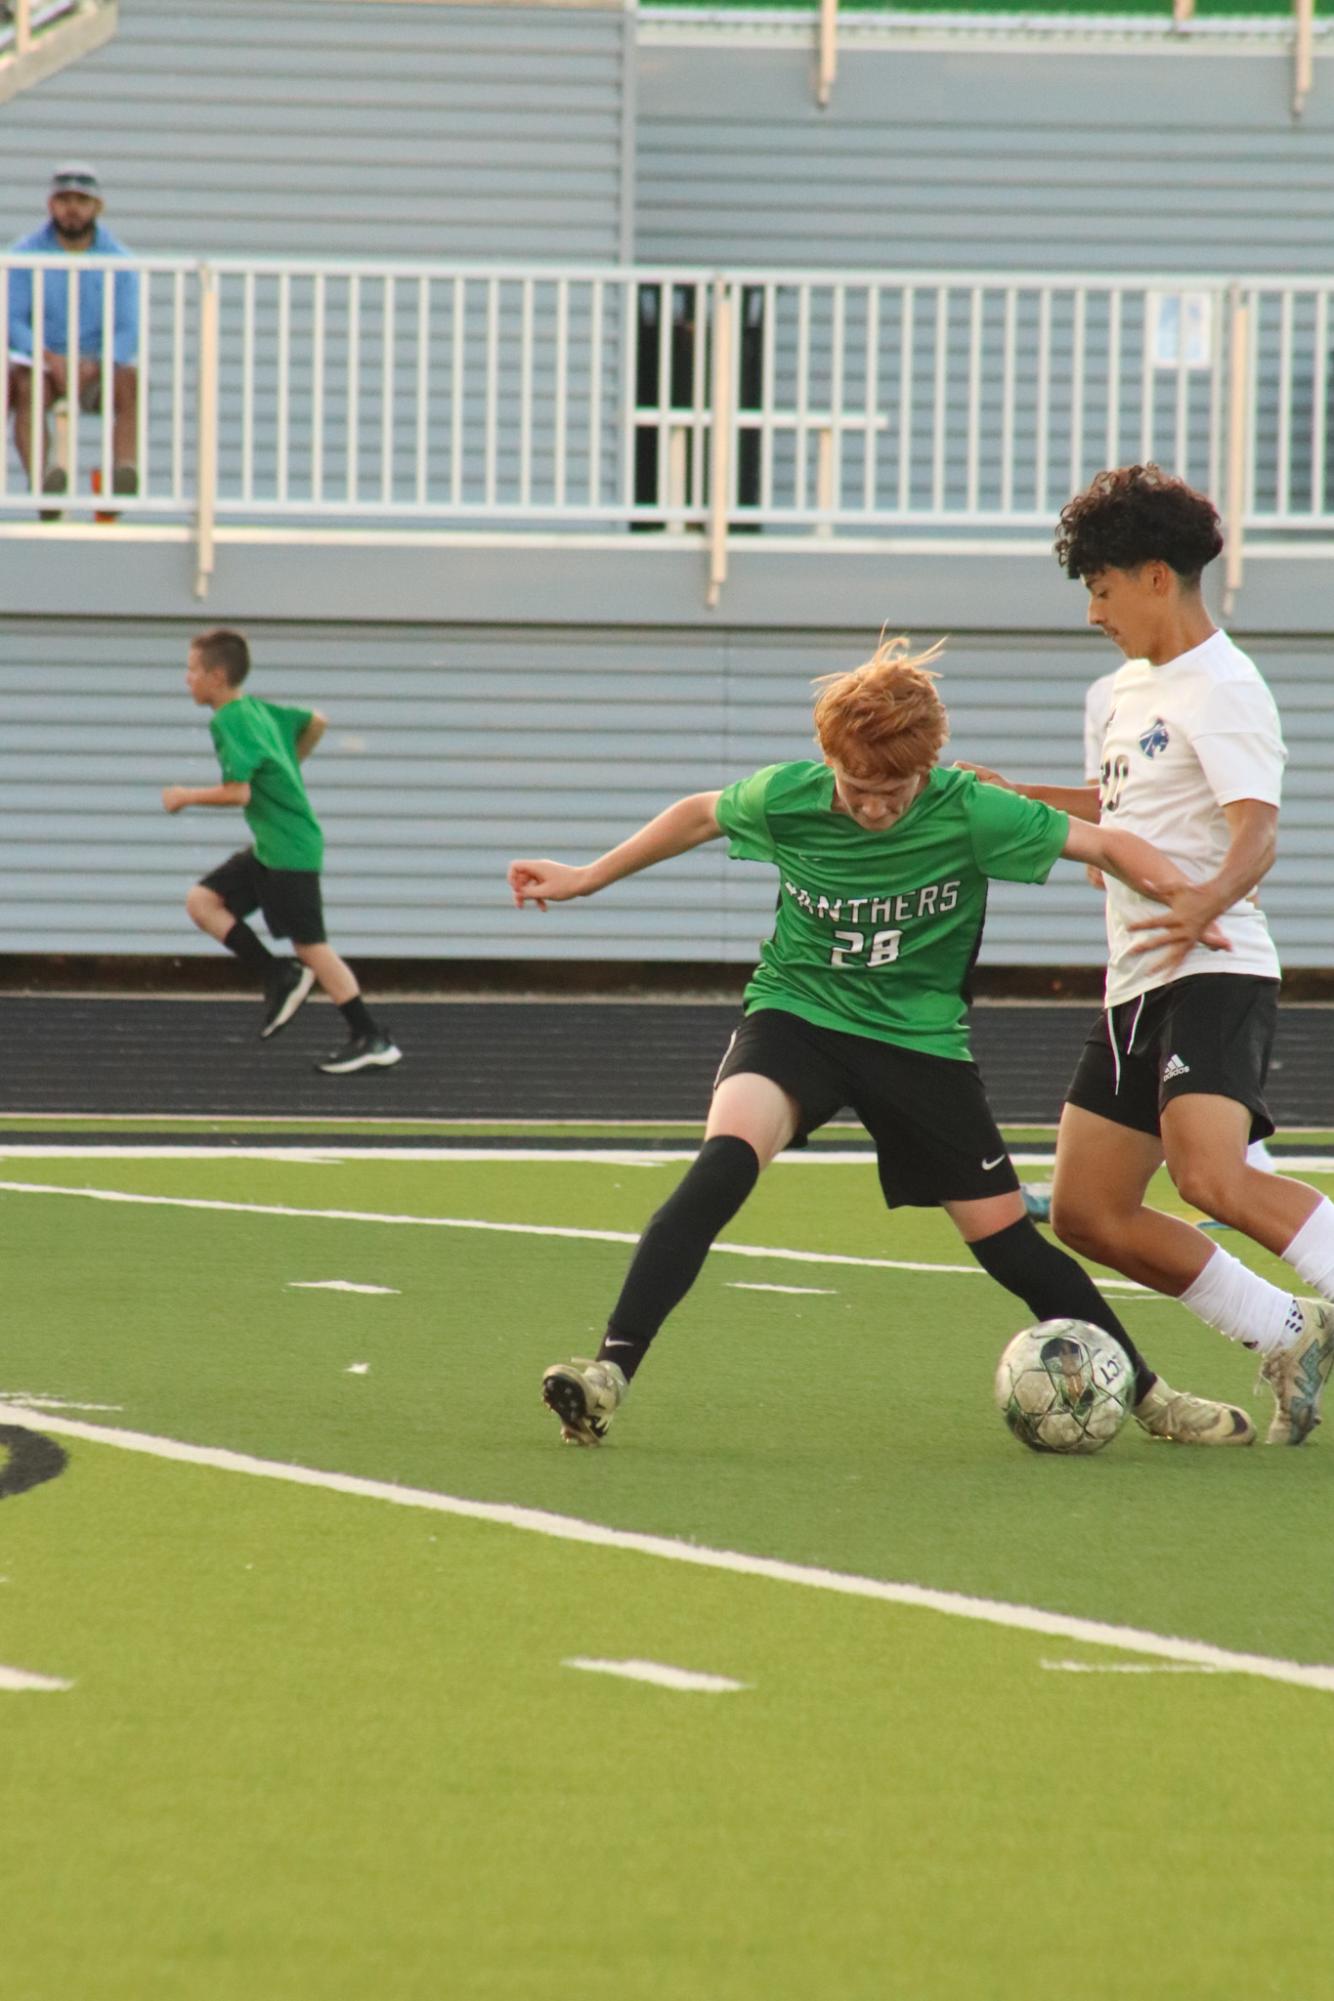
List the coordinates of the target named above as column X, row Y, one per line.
column 1155, row 738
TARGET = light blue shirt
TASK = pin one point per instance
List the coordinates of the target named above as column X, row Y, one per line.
column 89, row 289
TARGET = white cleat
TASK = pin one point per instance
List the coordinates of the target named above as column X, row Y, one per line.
column 1297, row 1375
column 1186, row 1420
column 585, row 1396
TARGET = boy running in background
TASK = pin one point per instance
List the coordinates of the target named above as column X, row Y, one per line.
column 860, row 999
column 261, row 747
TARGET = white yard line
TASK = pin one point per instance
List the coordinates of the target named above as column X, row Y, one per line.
column 334, row 1156
column 569, row 1528
column 1133, row 1667
column 508, row 1229
column 628, row 1156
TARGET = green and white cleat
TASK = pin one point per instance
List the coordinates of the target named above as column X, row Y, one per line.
column 1297, row 1375
column 1186, row 1420
column 585, row 1396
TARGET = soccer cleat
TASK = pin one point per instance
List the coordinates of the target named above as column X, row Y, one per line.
column 1187, row 1420
column 1297, row 1375
column 288, row 986
column 363, row 1052
column 585, row 1396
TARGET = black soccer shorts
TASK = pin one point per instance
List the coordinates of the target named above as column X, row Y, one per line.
column 1210, row 1032
column 289, row 897
column 935, row 1137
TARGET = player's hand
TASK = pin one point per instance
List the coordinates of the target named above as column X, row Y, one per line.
column 1189, row 920
column 1095, row 876
column 544, row 882
column 987, row 776
column 174, row 797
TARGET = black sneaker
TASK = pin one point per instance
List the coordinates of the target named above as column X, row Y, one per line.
column 363, row 1052
column 287, row 987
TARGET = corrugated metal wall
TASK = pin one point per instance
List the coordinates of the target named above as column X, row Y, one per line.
column 449, row 754
column 329, row 128
column 322, row 128
column 981, row 156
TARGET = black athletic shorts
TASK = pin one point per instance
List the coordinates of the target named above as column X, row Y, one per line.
column 935, row 1137
column 1210, row 1032
column 289, row 897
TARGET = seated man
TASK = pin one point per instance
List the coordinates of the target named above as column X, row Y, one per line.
column 73, row 229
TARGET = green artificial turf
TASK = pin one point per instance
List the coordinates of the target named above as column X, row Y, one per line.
column 318, row 1746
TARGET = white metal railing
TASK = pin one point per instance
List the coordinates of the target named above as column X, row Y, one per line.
column 21, row 21
column 393, row 398
column 38, row 37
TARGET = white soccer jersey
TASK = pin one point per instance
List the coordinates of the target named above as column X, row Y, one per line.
column 1097, row 708
column 1180, row 743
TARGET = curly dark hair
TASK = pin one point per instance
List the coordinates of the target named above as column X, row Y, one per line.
column 1135, row 515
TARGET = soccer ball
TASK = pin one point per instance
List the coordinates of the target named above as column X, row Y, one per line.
column 1064, row 1386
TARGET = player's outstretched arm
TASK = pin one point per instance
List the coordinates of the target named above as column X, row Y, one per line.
column 1190, row 916
column 1079, row 801
column 1250, row 856
column 687, row 824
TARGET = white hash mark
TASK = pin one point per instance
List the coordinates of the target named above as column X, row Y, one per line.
column 16, row 1678
column 52, row 1403
column 661, row 1676
column 1135, row 1667
column 336, row 1285
column 746, row 1285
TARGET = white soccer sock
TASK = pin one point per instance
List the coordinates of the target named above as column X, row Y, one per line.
column 1228, row 1295
column 1311, row 1252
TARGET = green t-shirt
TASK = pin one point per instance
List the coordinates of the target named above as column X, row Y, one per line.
column 256, row 745
column 876, row 934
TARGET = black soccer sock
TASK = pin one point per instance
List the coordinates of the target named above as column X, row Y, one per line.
column 357, row 1015
column 249, row 949
column 675, row 1244
column 1053, row 1287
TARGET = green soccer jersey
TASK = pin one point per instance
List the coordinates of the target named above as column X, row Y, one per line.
column 876, row 933
column 256, row 745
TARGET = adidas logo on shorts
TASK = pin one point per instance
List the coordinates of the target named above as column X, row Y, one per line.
column 1174, row 1067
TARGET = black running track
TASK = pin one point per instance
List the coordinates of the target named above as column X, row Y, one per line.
column 511, row 1060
